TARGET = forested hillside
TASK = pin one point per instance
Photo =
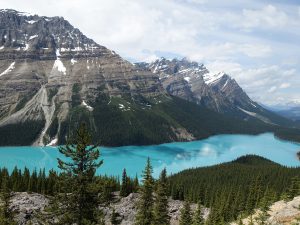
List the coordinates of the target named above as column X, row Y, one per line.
column 236, row 188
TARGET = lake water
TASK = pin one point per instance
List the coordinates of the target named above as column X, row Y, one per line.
column 174, row 156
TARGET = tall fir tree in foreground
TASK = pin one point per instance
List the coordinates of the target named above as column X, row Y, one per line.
column 161, row 216
column 81, row 205
column 6, row 215
column 185, row 214
column 144, row 214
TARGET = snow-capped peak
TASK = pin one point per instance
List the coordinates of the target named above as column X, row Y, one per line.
column 210, row 78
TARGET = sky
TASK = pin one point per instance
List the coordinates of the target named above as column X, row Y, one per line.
column 257, row 42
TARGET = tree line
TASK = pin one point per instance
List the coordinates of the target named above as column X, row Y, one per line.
column 231, row 190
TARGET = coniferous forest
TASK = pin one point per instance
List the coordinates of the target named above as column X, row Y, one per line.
column 230, row 190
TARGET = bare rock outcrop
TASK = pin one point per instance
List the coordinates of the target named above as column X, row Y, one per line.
column 27, row 206
column 280, row 213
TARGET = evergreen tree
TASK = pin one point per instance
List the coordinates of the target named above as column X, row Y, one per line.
column 144, row 214
column 135, row 184
column 6, row 215
column 161, row 216
column 198, row 217
column 294, row 188
column 80, row 206
column 185, row 214
column 125, row 185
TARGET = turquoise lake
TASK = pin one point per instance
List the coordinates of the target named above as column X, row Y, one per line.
column 174, row 156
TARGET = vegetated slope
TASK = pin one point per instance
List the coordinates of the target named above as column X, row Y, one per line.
column 233, row 188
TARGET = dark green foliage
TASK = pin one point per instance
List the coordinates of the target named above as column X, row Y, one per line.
column 51, row 93
column 20, row 134
column 6, row 215
column 23, row 101
column 198, row 217
column 80, row 205
column 160, row 211
column 294, row 188
column 141, row 124
column 144, row 214
column 76, row 100
column 53, row 129
column 235, row 188
column 185, row 214
column 125, row 186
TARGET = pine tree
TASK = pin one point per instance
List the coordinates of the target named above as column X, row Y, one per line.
column 161, row 216
column 144, row 214
column 185, row 217
column 136, row 184
column 124, row 186
column 83, row 160
column 198, row 217
column 294, row 188
column 6, row 215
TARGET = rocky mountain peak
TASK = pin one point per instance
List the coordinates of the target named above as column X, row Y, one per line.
column 173, row 66
column 23, row 35
column 49, row 69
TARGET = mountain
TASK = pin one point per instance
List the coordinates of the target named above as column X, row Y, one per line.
column 292, row 113
column 219, row 92
column 290, row 110
column 52, row 77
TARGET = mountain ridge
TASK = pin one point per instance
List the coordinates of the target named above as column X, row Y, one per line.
column 53, row 77
column 217, row 91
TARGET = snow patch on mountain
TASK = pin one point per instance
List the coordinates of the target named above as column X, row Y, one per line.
column 31, row 21
column 53, row 142
column 90, row 108
column 58, row 64
column 210, row 78
column 9, row 69
column 32, row 37
column 187, row 79
column 260, row 117
column 73, row 61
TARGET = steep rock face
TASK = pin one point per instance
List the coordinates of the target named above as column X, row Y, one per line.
column 219, row 92
column 184, row 79
column 47, row 67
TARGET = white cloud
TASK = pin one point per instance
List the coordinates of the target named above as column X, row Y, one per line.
column 272, row 89
column 284, row 85
column 269, row 84
column 268, row 16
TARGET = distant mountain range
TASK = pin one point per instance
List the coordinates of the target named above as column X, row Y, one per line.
column 291, row 113
column 290, row 110
column 52, row 77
